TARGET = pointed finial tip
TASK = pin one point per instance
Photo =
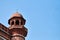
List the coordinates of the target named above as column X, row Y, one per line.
column 17, row 10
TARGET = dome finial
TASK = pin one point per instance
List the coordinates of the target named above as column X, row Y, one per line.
column 16, row 10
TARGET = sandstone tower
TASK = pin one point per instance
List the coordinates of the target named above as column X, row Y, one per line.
column 16, row 30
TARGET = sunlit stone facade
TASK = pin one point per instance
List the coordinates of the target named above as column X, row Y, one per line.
column 16, row 30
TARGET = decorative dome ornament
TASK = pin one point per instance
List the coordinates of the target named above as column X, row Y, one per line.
column 16, row 15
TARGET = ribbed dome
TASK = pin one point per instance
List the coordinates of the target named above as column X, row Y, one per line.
column 17, row 14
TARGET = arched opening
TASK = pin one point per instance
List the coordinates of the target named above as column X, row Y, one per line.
column 12, row 23
column 17, row 22
column 21, row 23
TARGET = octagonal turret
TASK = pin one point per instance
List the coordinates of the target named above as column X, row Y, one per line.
column 17, row 27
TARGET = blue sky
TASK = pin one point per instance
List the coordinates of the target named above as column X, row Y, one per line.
column 42, row 17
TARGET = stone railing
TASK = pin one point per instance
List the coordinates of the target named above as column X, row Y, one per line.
column 4, row 28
